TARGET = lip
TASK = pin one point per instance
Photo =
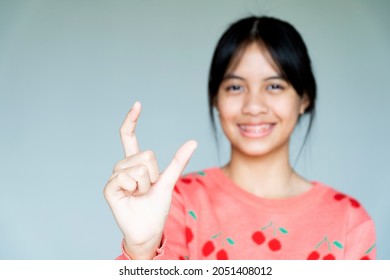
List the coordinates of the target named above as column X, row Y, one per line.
column 258, row 130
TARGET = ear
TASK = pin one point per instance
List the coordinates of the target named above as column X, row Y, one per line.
column 304, row 104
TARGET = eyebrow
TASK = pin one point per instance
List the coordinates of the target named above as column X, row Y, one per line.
column 275, row 78
column 233, row 76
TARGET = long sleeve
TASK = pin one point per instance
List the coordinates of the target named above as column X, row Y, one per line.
column 162, row 253
column 360, row 243
column 178, row 235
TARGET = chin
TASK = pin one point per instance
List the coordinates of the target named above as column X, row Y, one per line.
column 255, row 151
column 259, row 150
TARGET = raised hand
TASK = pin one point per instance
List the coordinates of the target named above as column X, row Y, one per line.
column 138, row 195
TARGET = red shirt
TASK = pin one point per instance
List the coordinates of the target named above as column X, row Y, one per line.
column 212, row 218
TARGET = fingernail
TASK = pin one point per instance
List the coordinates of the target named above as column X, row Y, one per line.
column 136, row 103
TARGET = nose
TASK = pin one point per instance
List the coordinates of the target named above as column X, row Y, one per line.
column 255, row 104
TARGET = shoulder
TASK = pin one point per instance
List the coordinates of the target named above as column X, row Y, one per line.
column 195, row 181
column 343, row 204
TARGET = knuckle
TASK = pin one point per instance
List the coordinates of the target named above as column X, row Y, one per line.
column 142, row 170
column 117, row 167
column 120, row 165
column 114, row 174
column 143, row 189
column 148, row 155
column 122, row 177
column 122, row 130
column 105, row 191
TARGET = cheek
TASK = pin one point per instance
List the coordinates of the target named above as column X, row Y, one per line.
column 287, row 108
column 228, row 110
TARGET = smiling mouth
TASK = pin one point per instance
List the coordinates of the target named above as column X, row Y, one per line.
column 259, row 130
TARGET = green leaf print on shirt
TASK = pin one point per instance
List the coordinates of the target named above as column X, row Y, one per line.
column 338, row 244
column 231, row 242
column 283, row 230
column 365, row 256
column 370, row 249
column 192, row 214
column 216, row 235
column 201, row 173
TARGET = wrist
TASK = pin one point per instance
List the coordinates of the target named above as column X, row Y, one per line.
column 146, row 251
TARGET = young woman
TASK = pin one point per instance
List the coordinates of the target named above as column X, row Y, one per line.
column 256, row 206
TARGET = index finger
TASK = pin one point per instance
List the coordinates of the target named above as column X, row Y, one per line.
column 127, row 130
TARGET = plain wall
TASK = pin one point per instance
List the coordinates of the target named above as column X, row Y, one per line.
column 70, row 71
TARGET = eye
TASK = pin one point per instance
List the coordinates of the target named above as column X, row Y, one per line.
column 275, row 87
column 234, row 88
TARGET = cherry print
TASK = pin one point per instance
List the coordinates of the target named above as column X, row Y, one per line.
column 199, row 181
column 176, row 189
column 186, row 180
column 354, row 203
column 329, row 257
column 208, row 248
column 313, row 256
column 258, row 237
column 222, row 255
column 274, row 244
column 189, row 235
column 221, row 240
column 339, row 196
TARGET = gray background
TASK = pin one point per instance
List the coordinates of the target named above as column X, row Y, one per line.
column 70, row 70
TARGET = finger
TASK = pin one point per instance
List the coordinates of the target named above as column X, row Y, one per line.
column 178, row 163
column 140, row 176
column 146, row 158
column 127, row 183
column 127, row 130
column 119, row 185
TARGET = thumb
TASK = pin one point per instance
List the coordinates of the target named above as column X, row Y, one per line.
column 172, row 173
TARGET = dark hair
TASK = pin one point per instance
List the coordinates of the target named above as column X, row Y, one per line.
column 285, row 47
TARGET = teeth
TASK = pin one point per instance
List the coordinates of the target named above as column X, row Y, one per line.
column 256, row 128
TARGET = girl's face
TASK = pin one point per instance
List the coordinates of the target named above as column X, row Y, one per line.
column 258, row 109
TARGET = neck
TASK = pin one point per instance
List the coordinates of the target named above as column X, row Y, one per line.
column 268, row 176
